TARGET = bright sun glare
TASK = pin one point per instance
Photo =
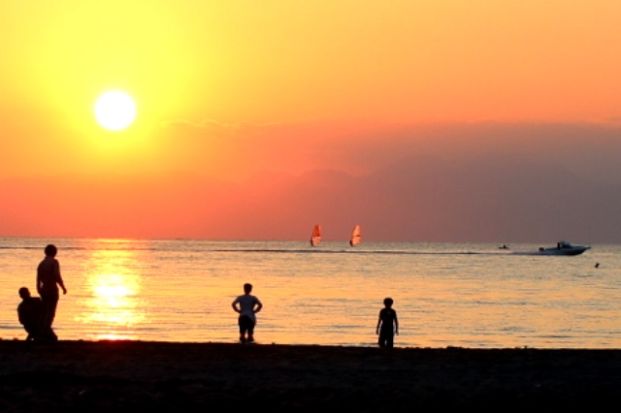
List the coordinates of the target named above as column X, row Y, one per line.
column 115, row 110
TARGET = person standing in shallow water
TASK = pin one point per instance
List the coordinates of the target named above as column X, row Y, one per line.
column 48, row 280
column 247, row 306
column 387, row 324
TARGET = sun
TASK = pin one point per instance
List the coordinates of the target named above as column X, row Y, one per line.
column 115, row 110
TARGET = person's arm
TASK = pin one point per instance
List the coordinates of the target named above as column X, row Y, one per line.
column 396, row 324
column 258, row 305
column 38, row 281
column 59, row 278
column 234, row 305
column 379, row 323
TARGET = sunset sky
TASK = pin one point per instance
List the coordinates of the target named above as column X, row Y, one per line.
column 421, row 120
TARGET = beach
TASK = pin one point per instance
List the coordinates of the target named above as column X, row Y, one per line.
column 100, row 376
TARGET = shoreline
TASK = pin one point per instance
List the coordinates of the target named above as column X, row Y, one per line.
column 102, row 375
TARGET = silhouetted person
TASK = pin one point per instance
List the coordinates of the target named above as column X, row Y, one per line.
column 247, row 306
column 597, row 265
column 387, row 324
column 30, row 313
column 48, row 280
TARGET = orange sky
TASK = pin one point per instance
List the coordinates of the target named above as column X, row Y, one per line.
column 235, row 98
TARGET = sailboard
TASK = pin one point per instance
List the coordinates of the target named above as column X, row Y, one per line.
column 315, row 238
column 356, row 236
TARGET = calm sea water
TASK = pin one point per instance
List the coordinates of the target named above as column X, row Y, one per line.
column 472, row 295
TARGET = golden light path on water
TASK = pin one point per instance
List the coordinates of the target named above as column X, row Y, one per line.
column 113, row 307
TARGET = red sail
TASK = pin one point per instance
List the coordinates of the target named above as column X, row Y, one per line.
column 315, row 236
column 356, row 236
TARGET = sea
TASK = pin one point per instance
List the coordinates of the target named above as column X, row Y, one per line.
column 445, row 294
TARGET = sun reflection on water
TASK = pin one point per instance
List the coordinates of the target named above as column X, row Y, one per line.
column 114, row 299
column 112, row 307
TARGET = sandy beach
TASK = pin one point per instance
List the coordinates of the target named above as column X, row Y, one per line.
column 100, row 376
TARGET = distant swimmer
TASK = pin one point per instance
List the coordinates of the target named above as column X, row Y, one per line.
column 597, row 265
column 503, row 247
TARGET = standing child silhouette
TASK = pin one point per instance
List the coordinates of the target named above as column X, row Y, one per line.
column 247, row 306
column 387, row 324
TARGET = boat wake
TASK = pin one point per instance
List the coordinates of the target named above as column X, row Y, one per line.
column 349, row 251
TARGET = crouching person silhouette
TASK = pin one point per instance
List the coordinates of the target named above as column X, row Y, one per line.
column 31, row 314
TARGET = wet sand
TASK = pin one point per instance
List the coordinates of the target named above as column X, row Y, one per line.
column 99, row 376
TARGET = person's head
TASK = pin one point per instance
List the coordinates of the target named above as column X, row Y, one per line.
column 50, row 250
column 388, row 302
column 24, row 293
column 247, row 288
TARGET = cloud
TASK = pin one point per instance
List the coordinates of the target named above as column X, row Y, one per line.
column 485, row 182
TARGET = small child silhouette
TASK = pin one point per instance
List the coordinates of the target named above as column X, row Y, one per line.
column 247, row 306
column 387, row 324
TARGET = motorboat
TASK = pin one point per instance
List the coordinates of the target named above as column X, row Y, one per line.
column 563, row 248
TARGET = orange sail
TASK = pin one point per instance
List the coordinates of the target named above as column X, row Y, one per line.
column 315, row 236
column 356, row 236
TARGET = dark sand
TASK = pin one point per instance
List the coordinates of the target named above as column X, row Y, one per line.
column 100, row 376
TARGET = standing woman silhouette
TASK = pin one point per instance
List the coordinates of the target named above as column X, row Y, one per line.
column 48, row 280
